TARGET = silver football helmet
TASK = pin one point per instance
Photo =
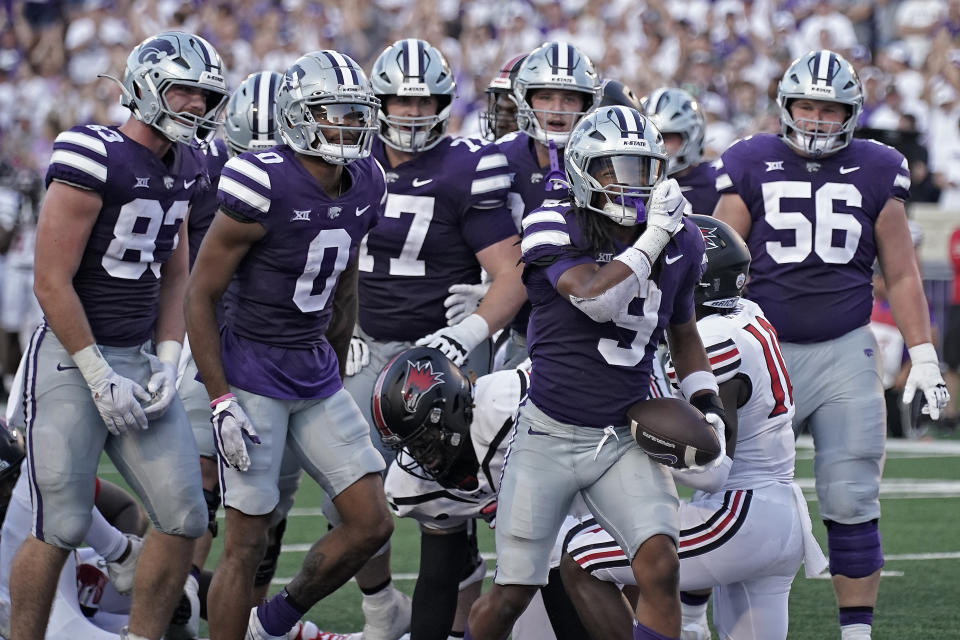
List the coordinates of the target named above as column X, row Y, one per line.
column 674, row 110
column 169, row 59
column 819, row 75
column 326, row 108
column 554, row 65
column 251, row 122
column 413, row 68
column 613, row 161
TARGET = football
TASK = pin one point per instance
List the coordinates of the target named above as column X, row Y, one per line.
column 673, row 432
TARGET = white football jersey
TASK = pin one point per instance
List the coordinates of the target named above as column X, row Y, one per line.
column 496, row 399
column 743, row 343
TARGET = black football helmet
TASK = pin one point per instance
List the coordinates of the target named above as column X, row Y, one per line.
column 728, row 263
column 422, row 406
column 12, row 454
column 614, row 93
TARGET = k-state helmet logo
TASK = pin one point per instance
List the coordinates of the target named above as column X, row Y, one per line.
column 156, row 50
column 419, row 380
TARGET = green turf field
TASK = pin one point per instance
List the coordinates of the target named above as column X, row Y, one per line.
column 921, row 519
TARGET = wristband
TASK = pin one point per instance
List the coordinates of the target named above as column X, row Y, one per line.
column 637, row 261
column 169, row 351
column 91, row 363
column 223, row 398
column 699, row 381
column 923, row 353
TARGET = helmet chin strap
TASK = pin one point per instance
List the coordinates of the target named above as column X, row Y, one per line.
column 556, row 178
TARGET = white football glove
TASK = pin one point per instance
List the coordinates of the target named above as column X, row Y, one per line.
column 925, row 375
column 463, row 300
column 712, row 410
column 117, row 398
column 230, row 425
column 458, row 341
column 358, row 356
column 667, row 207
column 163, row 381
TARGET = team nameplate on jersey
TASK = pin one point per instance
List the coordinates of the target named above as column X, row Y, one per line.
column 413, row 89
column 820, row 91
column 213, row 78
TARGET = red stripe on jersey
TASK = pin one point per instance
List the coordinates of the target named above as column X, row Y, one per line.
column 725, row 357
column 776, row 386
column 776, row 349
column 718, row 528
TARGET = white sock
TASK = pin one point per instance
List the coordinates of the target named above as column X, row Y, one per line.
column 855, row 632
column 382, row 597
column 692, row 613
column 105, row 539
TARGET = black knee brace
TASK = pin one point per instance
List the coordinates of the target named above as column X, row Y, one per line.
column 268, row 566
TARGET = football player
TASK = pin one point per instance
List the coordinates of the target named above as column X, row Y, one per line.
column 110, row 270
column 289, row 224
column 607, row 275
column 816, row 207
column 451, row 437
column 445, row 219
column 747, row 529
column 500, row 116
column 678, row 116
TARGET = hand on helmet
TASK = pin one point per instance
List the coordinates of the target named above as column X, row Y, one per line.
column 667, row 207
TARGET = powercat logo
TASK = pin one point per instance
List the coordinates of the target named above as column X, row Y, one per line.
column 156, row 50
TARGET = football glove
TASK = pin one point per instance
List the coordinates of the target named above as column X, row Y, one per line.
column 162, row 385
column 463, row 301
column 489, row 513
column 458, row 341
column 667, row 207
column 117, row 398
column 925, row 376
column 358, row 356
column 712, row 409
column 230, row 425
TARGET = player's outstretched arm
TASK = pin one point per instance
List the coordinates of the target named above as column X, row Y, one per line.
column 224, row 246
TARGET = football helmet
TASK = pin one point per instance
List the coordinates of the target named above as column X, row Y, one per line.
column 422, row 406
column 413, row 68
column 169, row 59
column 728, row 263
column 554, row 65
column 622, row 148
column 501, row 86
column 326, row 108
column 251, row 122
column 674, row 110
column 826, row 76
column 614, row 93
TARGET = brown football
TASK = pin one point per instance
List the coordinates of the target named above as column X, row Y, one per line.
column 673, row 432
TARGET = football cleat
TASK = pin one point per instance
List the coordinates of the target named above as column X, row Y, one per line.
column 121, row 573
column 255, row 630
column 309, row 631
column 389, row 620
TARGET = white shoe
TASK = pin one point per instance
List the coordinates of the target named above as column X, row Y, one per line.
column 121, row 573
column 309, row 631
column 386, row 615
column 255, row 629
column 697, row 630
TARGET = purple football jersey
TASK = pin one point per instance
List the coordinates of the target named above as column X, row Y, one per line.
column 528, row 192
column 812, row 229
column 145, row 198
column 279, row 303
column 586, row 372
column 444, row 206
column 204, row 204
column 699, row 186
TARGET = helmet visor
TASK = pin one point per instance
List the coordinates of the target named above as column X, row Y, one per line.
column 626, row 172
column 343, row 114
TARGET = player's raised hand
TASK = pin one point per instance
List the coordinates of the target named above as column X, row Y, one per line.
column 458, row 341
column 463, row 300
column 230, row 425
column 117, row 398
column 925, row 375
column 667, row 207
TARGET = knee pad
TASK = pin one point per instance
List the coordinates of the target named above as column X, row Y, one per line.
column 268, row 566
column 855, row 550
column 212, row 498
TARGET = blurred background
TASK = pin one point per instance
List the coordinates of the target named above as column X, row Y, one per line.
column 728, row 53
